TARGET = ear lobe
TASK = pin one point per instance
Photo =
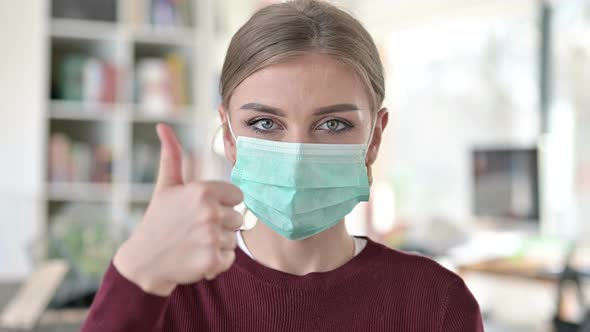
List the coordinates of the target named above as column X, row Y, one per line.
column 373, row 148
column 371, row 155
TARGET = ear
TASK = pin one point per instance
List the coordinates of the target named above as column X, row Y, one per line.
column 229, row 143
column 380, row 124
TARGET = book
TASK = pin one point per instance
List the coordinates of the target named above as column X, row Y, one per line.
column 154, row 86
column 75, row 161
column 108, row 86
column 71, row 74
column 59, row 160
column 184, row 11
column 91, row 80
column 163, row 13
column 136, row 10
column 102, row 164
column 177, row 72
column 86, row 79
column 161, row 84
column 170, row 13
column 81, row 160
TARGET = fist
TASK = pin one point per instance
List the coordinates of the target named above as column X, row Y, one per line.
column 187, row 232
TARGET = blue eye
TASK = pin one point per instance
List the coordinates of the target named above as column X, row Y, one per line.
column 264, row 124
column 334, row 125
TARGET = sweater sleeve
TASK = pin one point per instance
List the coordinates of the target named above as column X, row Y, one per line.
column 121, row 305
column 461, row 311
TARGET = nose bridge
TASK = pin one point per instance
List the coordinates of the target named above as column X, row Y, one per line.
column 298, row 133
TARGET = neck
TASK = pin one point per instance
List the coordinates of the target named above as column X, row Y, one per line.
column 319, row 253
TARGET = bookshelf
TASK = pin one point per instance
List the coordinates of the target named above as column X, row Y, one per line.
column 109, row 82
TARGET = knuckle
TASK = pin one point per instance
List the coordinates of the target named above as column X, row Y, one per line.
column 197, row 191
column 204, row 191
column 209, row 214
column 210, row 235
column 215, row 214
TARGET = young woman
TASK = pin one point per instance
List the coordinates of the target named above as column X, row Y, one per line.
column 302, row 87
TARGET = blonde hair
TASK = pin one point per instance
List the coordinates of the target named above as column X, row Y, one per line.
column 282, row 31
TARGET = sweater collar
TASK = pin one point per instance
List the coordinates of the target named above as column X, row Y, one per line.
column 357, row 265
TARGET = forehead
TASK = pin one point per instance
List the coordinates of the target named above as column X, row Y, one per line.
column 305, row 82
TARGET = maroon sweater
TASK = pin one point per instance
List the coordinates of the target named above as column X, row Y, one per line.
column 380, row 289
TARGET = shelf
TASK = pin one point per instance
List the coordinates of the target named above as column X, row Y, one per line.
column 97, row 30
column 85, row 140
column 83, row 29
column 141, row 192
column 147, row 34
column 84, row 111
column 79, row 192
column 184, row 116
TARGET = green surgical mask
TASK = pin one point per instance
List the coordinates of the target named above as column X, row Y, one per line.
column 300, row 189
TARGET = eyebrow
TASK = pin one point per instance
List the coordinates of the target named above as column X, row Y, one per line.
column 262, row 108
column 336, row 108
column 319, row 111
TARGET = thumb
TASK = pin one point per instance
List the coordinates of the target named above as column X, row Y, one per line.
column 170, row 172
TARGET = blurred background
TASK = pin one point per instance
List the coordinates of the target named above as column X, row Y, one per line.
column 485, row 165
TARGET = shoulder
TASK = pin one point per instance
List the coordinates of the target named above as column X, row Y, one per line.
column 419, row 278
column 413, row 264
column 415, row 271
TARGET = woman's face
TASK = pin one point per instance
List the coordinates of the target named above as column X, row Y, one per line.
column 310, row 99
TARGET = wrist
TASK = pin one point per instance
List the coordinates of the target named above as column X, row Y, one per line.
column 142, row 274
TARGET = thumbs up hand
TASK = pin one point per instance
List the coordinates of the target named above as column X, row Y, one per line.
column 187, row 232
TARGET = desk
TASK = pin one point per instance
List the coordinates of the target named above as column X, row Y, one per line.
column 52, row 320
column 534, row 272
column 511, row 268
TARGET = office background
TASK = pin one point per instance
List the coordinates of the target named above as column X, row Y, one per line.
column 486, row 157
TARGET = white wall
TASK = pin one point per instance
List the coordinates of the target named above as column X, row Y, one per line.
column 449, row 95
column 22, row 94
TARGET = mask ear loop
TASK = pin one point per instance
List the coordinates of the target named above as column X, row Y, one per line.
column 245, row 210
column 230, row 128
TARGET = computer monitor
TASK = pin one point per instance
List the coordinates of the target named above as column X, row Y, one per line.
column 505, row 183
